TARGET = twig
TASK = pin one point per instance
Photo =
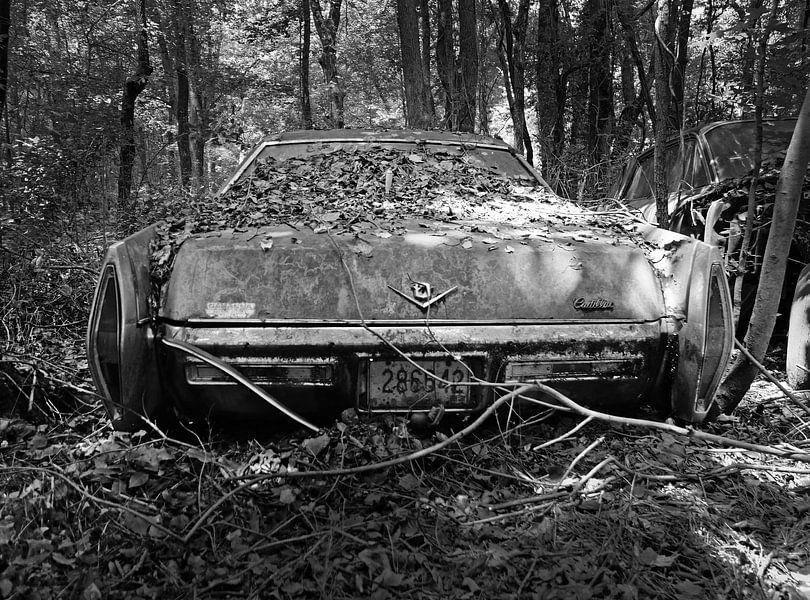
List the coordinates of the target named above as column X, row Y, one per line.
column 578, row 458
column 793, row 398
column 526, row 578
column 93, row 272
column 563, row 436
column 592, row 473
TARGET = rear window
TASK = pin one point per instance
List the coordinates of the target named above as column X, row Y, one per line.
column 499, row 161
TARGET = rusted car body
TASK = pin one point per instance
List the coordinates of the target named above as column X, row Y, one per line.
column 321, row 322
column 708, row 156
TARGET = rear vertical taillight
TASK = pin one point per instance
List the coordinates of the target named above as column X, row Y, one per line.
column 718, row 337
column 104, row 336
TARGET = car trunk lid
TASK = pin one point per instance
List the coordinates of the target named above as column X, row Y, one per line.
column 483, row 272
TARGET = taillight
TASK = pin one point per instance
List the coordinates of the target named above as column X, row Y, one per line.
column 718, row 336
column 105, row 336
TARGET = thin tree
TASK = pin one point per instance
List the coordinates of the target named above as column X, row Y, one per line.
column 599, row 78
column 5, row 23
column 198, row 105
column 446, row 62
column 758, row 101
column 133, row 86
column 774, row 262
column 179, row 21
column 418, row 105
column 424, row 28
column 306, row 36
column 327, row 28
column 511, row 54
column 665, row 117
column 468, row 64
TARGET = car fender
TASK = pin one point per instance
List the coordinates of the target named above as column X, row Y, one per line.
column 698, row 302
column 798, row 345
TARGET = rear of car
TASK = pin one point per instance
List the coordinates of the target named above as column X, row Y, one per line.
column 435, row 314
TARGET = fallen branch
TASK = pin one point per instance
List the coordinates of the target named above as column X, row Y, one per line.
column 793, row 398
column 689, row 432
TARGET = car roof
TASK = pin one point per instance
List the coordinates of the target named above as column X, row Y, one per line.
column 706, row 128
column 403, row 135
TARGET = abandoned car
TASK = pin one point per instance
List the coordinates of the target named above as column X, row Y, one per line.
column 397, row 272
column 709, row 176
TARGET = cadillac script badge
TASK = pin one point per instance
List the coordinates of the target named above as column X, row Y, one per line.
column 423, row 294
column 586, row 304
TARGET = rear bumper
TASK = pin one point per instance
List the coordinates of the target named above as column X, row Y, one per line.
column 320, row 370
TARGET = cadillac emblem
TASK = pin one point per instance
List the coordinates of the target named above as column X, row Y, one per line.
column 587, row 304
column 422, row 294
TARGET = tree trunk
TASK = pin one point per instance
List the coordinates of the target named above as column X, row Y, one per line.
column 468, row 64
column 511, row 52
column 327, row 29
column 417, row 108
column 682, row 56
column 772, row 274
column 750, row 53
column 631, row 39
column 133, row 86
column 551, row 84
column 198, row 115
column 171, row 86
column 182, row 89
column 5, row 24
column 665, row 118
column 758, row 100
column 446, row 63
column 306, row 36
column 600, row 80
column 424, row 27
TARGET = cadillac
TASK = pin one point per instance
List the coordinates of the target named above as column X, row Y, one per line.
column 395, row 272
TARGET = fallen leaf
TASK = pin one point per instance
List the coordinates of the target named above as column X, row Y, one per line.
column 287, row 496
column 60, row 559
column 409, row 482
column 91, row 592
column 137, row 479
column 316, row 445
column 687, row 589
column 470, row 585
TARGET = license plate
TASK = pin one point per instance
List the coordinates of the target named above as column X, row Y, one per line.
column 398, row 384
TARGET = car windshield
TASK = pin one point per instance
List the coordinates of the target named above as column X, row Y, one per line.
column 496, row 159
column 732, row 146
